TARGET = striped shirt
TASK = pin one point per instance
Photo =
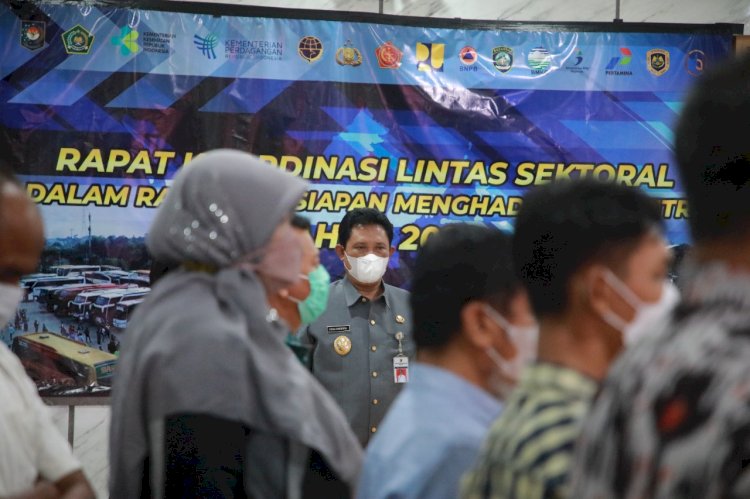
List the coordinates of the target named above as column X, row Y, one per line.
column 528, row 451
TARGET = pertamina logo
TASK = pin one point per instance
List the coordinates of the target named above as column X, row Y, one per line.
column 618, row 65
column 127, row 41
column 206, row 44
column 539, row 60
column 389, row 57
column 695, row 62
column 33, row 34
column 348, row 55
column 430, row 56
column 77, row 40
column 468, row 56
column 657, row 61
column 310, row 48
column 502, row 58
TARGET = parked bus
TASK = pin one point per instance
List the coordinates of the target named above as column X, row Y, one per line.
column 123, row 310
column 58, row 364
column 103, row 308
column 33, row 290
column 58, row 300
column 80, row 307
column 46, row 292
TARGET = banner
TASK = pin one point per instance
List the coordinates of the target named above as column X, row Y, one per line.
column 432, row 124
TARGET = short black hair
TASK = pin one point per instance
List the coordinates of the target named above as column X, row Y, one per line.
column 300, row 222
column 565, row 225
column 712, row 145
column 363, row 216
column 458, row 264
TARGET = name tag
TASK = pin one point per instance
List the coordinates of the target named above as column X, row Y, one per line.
column 339, row 329
column 400, row 369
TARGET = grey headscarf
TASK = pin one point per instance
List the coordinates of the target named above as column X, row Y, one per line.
column 200, row 330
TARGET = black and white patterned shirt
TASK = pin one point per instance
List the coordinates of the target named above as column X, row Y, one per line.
column 673, row 417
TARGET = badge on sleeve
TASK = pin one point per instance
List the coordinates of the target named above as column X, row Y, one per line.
column 400, row 369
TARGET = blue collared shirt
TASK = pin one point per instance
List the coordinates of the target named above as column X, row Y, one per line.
column 429, row 438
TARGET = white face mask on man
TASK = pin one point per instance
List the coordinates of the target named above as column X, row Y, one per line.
column 648, row 316
column 525, row 339
column 367, row 269
column 10, row 297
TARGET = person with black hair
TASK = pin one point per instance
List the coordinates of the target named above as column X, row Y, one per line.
column 474, row 331
column 362, row 342
column 594, row 262
column 673, row 416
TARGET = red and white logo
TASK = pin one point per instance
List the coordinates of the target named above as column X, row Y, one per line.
column 389, row 57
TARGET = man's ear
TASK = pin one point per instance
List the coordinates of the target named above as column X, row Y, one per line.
column 482, row 332
column 340, row 253
column 593, row 289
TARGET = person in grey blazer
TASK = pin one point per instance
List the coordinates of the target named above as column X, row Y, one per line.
column 362, row 344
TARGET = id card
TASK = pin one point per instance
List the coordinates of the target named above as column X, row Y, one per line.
column 400, row 369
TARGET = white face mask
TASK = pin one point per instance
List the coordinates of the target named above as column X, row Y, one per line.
column 525, row 339
column 10, row 297
column 648, row 316
column 367, row 269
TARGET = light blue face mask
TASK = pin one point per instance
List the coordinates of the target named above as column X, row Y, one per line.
column 316, row 302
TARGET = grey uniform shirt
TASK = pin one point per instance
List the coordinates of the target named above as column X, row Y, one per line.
column 362, row 380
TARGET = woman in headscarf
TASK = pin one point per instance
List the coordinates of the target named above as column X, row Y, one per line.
column 207, row 400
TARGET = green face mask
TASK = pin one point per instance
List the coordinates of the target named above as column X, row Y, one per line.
column 316, row 302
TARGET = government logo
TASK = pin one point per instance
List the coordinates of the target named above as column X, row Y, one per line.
column 657, row 61
column 310, row 48
column 430, row 56
column 575, row 63
column 33, row 34
column 695, row 62
column 77, row 40
column 539, row 60
column 206, row 45
column 348, row 55
column 502, row 58
column 468, row 55
column 127, row 41
column 389, row 57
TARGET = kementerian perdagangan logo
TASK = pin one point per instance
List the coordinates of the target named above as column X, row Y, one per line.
column 127, row 41
column 206, row 44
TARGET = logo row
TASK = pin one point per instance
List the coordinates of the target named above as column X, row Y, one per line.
column 430, row 56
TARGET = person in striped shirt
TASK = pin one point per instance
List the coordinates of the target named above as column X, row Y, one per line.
column 593, row 259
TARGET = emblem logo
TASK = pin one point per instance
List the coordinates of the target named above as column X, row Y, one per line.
column 342, row 345
column 468, row 55
column 695, row 62
column 206, row 45
column 348, row 55
column 389, row 57
column 502, row 58
column 539, row 60
column 77, row 40
column 430, row 56
column 127, row 41
column 657, row 61
column 579, row 57
column 310, row 48
column 33, row 34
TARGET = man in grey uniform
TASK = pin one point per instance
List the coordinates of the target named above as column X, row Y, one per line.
column 362, row 344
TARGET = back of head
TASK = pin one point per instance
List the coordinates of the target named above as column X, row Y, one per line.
column 223, row 205
column 564, row 226
column 713, row 152
column 460, row 263
column 363, row 216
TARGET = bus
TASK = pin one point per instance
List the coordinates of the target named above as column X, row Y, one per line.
column 63, row 270
column 80, row 307
column 57, row 364
column 32, row 288
column 123, row 310
column 58, row 300
column 103, row 308
column 105, row 276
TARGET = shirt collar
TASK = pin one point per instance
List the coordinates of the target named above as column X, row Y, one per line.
column 439, row 380
column 352, row 295
column 545, row 375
